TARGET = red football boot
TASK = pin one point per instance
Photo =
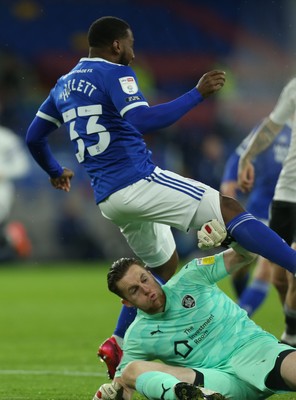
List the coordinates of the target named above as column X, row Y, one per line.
column 111, row 354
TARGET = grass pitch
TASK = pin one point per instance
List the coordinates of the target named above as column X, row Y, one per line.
column 52, row 320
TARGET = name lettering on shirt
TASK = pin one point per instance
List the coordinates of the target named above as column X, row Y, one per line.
column 77, row 85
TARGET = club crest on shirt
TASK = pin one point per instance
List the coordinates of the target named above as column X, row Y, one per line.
column 188, row 301
column 128, row 84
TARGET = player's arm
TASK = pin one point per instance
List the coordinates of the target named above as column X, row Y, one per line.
column 147, row 119
column 46, row 121
column 36, row 140
column 237, row 257
column 229, row 186
column 263, row 137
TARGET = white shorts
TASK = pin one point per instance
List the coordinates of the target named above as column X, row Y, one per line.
column 145, row 211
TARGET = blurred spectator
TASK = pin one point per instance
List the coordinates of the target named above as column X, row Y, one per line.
column 74, row 236
column 206, row 160
column 11, row 90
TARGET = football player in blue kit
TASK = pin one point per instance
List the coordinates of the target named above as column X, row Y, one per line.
column 106, row 115
column 251, row 296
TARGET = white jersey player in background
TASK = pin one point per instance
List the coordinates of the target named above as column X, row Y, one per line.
column 283, row 209
column 252, row 292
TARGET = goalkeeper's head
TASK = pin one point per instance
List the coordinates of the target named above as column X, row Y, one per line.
column 137, row 287
column 118, row 270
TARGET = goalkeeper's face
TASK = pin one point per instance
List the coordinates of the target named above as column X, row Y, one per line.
column 140, row 289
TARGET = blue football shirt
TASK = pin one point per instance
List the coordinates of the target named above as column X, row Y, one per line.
column 91, row 101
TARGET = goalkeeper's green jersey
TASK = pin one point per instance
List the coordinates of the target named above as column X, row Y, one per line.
column 200, row 326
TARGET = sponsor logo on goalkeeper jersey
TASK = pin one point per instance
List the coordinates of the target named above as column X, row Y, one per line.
column 183, row 348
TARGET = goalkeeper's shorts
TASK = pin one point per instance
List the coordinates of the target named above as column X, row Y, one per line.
column 243, row 377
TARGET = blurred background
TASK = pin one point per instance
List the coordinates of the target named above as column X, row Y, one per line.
column 176, row 42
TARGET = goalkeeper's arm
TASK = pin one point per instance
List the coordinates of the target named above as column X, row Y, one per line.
column 237, row 257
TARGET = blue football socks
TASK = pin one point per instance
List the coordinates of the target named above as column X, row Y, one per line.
column 240, row 284
column 126, row 317
column 256, row 237
column 253, row 296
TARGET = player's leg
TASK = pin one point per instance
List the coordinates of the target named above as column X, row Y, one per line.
column 255, row 293
column 283, row 375
column 255, row 236
column 161, row 381
column 240, row 279
column 249, row 232
column 283, row 221
column 189, row 204
column 289, row 335
column 279, row 281
column 259, row 365
column 171, row 199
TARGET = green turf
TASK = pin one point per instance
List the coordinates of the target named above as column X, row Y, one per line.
column 52, row 319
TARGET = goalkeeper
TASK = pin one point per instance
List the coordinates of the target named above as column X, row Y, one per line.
column 208, row 346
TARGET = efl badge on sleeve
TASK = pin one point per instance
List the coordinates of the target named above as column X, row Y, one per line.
column 128, row 84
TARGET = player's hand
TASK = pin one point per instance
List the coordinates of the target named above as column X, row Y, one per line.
column 110, row 391
column 211, row 82
column 229, row 188
column 211, row 234
column 245, row 175
column 63, row 182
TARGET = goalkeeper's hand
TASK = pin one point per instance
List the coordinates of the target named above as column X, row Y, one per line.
column 211, row 234
column 110, row 391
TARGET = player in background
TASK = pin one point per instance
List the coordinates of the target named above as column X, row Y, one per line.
column 106, row 116
column 283, row 208
column 268, row 166
column 14, row 164
column 202, row 339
